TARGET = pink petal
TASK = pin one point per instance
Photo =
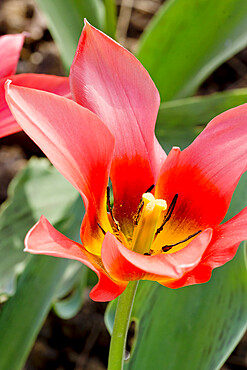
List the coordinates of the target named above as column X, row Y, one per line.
column 55, row 84
column 106, row 289
column 10, row 49
column 226, row 239
column 201, row 274
column 222, row 248
column 75, row 141
column 205, row 174
column 112, row 83
column 124, row 264
column 44, row 239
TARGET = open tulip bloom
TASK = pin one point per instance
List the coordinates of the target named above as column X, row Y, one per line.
column 162, row 221
column 10, row 48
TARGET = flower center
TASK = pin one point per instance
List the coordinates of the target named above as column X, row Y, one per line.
column 147, row 219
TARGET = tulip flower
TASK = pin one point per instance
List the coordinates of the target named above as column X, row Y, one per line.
column 162, row 221
column 10, row 48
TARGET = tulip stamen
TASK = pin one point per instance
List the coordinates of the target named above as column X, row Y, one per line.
column 108, row 193
column 147, row 218
column 150, row 189
column 137, row 215
column 166, row 248
column 168, row 214
column 101, row 228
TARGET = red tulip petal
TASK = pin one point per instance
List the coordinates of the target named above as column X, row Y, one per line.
column 222, row 248
column 10, row 49
column 226, row 239
column 112, row 83
column 205, row 174
column 76, row 142
column 106, row 289
column 55, row 84
column 124, row 264
column 201, row 274
column 43, row 238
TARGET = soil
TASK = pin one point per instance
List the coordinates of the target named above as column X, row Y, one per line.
column 82, row 343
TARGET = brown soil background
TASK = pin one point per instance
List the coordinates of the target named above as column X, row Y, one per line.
column 82, row 343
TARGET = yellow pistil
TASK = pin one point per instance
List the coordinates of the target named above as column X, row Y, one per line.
column 145, row 230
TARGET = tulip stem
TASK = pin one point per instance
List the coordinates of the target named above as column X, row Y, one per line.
column 121, row 326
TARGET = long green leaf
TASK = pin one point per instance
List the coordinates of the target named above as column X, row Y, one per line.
column 68, row 307
column 188, row 39
column 180, row 121
column 191, row 328
column 65, row 20
column 22, row 315
column 40, row 188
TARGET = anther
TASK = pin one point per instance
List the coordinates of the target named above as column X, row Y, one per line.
column 166, row 248
column 136, row 217
column 101, row 228
column 168, row 214
column 147, row 254
column 144, row 231
column 150, row 189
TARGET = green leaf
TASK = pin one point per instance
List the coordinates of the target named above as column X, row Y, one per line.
column 180, row 121
column 110, row 314
column 38, row 189
column 23, row 314
column 194, row 327
column 74, row 281
column 188, row 39
column 110, row 18
column 191, row 328
column 65, row 20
